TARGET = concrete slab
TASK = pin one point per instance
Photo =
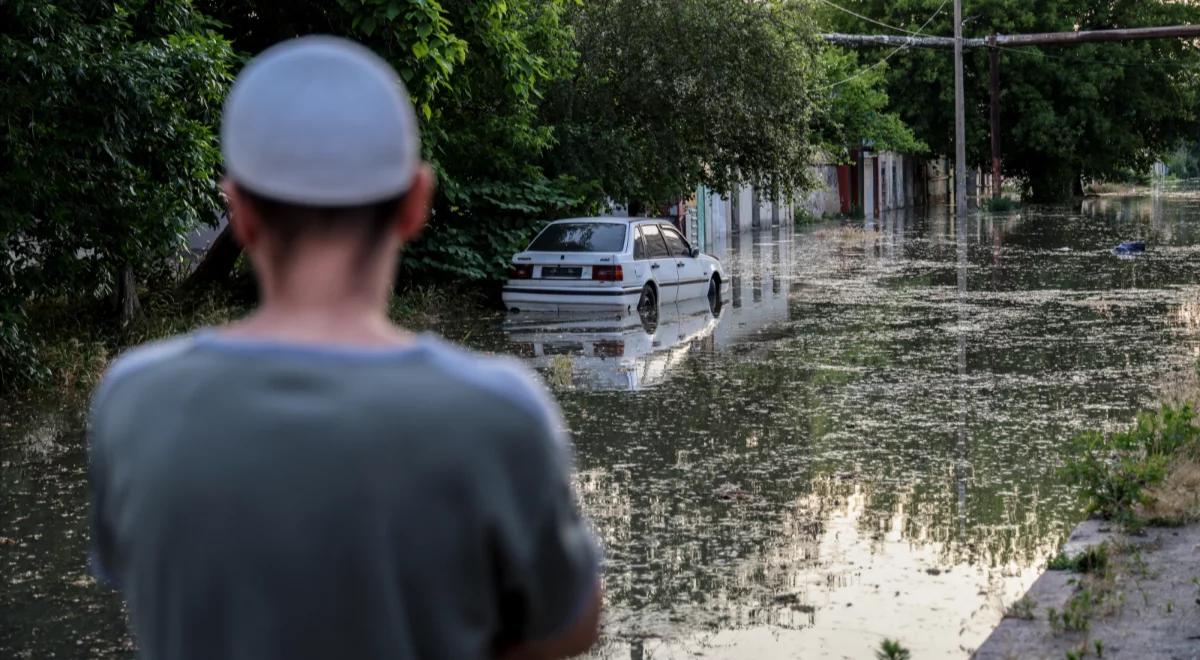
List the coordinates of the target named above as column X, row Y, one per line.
column 1153, row 611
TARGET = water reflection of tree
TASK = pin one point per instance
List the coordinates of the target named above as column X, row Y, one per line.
column 676, row 547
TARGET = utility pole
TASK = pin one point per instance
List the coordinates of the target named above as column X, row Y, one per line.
column 994, row 84
column 960, row 118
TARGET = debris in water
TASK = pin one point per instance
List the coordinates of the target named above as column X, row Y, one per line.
column 1130, row 247
column 731, row 492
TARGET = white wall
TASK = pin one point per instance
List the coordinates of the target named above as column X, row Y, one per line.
column 745, row 219
column 824, row 200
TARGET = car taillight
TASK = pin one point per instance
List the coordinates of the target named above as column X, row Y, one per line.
column 607, row 273
column 520, row 272
column 608, row 348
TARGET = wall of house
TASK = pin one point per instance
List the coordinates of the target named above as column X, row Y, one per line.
column 823, row 200
column 883, row 182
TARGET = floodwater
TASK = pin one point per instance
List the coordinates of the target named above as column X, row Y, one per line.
column 861, row 443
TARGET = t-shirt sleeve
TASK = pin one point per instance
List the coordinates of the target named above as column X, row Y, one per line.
column 103, row 553
column 100, row 552
column 549, row 559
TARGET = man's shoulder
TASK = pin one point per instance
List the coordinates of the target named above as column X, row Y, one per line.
column 500, row 377
column 141, row 360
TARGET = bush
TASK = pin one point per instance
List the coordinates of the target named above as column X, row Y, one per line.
column 1115, row 470
column 1092, row 560
column 107, row 116
column 1000, row 205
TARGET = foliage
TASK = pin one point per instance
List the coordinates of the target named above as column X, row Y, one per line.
column 854, row 102
column 1092, row 559
column 1184, row 161
column 668, row 95
column 891, row 649
column 1000, row 205
column 107, row 112
column 477, row 72
column 76, row 342
column 1115, row 470
column 1087, row 110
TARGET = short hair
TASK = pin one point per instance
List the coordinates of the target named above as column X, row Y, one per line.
column 287, row 222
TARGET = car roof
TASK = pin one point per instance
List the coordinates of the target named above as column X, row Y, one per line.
column 614, row 220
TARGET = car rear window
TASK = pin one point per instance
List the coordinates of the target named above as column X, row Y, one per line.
column 580, row 237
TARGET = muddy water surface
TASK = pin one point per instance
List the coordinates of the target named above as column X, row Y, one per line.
column 861, row 442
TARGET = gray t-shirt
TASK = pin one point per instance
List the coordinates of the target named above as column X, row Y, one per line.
column 258, row 500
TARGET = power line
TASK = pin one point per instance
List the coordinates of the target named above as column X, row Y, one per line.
column 890, row 55
column 876, row 22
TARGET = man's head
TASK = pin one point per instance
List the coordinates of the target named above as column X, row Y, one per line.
column 322, row 158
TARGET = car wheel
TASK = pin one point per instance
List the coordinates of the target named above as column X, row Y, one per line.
column 648, row 303
column 714, row 292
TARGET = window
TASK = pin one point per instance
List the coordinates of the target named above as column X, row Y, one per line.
column 580, row 237
column 655, row 247
column 676, row 243
column 639, row 246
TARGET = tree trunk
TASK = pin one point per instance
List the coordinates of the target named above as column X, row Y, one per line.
column 129, row 308
column 216, row 266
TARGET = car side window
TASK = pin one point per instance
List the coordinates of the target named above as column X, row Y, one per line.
column 656, row 248
column 639, row 246
column 676, row 243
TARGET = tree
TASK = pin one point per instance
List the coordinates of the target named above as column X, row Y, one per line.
column 668, row 95
column 1091, row 110
column 854, row 108
column 476, row 71
column 107, row 112
column 1184, row 161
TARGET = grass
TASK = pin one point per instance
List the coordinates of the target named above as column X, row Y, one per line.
column 561, row 371
column 846, row 234
column 1107, row 575
column 1076, row 615
column 1109, row 188
column 1147, row 473
column 1022, row 609
column 891, row 649
column 1092, row 560
column 1175, row 501
column 76, row 343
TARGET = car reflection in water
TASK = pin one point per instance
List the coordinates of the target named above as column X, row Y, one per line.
column 620, row 351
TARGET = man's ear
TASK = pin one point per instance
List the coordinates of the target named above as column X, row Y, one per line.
column 414, row 209
column 247, row 228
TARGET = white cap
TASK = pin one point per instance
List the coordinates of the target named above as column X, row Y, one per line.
column 320, row 121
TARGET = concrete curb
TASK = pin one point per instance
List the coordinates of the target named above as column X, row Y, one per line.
column 1157, row 606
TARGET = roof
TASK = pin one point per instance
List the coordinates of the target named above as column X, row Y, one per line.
column 612, row 220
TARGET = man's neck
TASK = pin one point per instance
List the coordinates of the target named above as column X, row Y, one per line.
column 325, row 295
column 344, row 324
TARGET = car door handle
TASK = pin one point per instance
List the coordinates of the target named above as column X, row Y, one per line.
column 679, row 264
column 655, row 266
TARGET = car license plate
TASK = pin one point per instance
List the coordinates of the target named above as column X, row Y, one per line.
column 562, row 272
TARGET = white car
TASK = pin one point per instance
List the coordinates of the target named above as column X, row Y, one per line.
column 610, row 264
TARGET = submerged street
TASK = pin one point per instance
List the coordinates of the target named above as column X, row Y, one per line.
column 861, row 443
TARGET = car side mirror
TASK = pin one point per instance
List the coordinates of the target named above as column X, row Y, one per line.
column 695, row 252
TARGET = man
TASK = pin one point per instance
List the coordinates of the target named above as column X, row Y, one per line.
column 314, row 482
